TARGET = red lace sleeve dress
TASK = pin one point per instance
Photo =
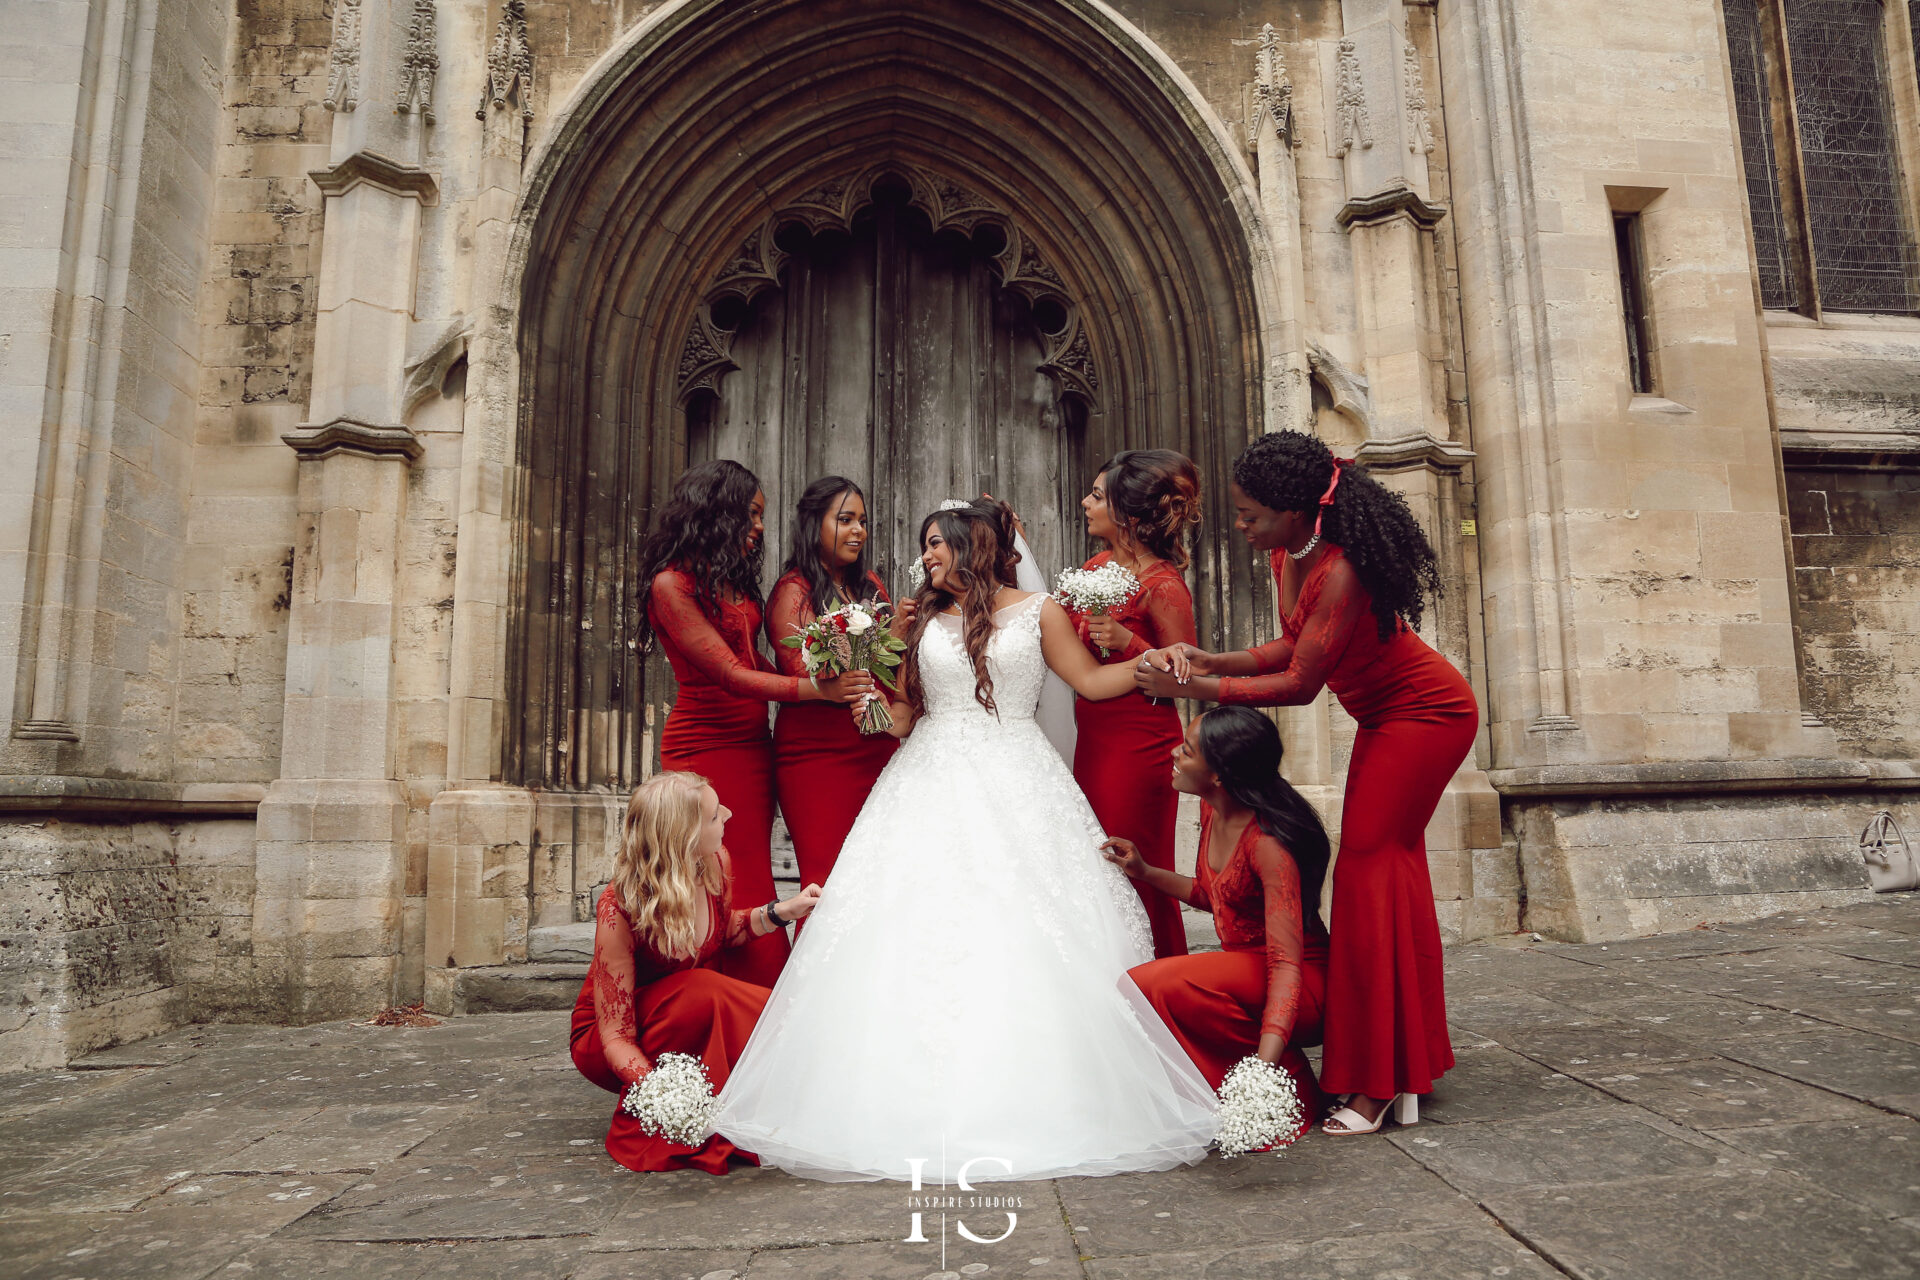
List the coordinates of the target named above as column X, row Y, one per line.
column 1268, row 977
column 823, row 766
column 1123, row 749
column 718, row 729
column 1386, row 1025
column 637, row 1004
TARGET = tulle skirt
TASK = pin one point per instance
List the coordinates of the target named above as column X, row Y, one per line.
column 961, row 996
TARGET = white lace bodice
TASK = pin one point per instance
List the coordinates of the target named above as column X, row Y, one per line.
column 1014, row 659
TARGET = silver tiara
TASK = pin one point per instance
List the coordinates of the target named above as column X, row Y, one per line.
column 954, row 504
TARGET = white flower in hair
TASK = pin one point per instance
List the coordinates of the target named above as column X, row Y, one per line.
column 954, row 504
column 916, row 573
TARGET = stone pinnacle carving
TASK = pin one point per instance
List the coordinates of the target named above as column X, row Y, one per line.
column 509, row 63
column 1272, row 89
column 419, row 65
column 343, row 60
column 1419, row 127
column 1356, row 125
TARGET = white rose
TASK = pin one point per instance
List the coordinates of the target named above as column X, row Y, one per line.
column 859, row 623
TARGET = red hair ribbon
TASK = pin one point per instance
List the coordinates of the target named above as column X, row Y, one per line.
column 1326, row 499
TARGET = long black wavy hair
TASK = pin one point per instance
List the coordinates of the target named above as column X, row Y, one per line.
column 825, row 591
column 1288, row 471
column 702, row 531
column 1243, row 749
column 981, row 536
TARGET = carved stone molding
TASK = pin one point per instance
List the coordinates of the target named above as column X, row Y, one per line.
column 1272, row 91
column 1355, row 123
column 419, row 65
column 1419, row 123
column 1347, row 388
column 343, row 59
column 509, row 64
column 350, row 435
column 1422, row 450
column 373, row 169
column 753, row 269
column 433, row 350
column 1394, row 202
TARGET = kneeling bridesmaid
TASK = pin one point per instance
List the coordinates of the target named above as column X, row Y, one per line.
column 1263, row 855
column 652, row 987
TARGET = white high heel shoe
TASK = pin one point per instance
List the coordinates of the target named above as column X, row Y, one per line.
column 1404, row 1107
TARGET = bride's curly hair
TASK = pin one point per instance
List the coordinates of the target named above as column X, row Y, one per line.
column 981, row 535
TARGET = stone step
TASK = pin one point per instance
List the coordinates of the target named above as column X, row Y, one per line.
column 561, row 943
column 517, row 988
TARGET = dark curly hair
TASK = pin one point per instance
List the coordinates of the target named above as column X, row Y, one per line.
column 701, row 530
column 1243, row 749
column 1288, row 471
column 981, row 536
column 1154, row 495
column 825, row 591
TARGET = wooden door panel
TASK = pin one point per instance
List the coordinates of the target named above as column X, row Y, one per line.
column 893, row 357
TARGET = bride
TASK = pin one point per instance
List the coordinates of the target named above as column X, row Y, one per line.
column 959, row 998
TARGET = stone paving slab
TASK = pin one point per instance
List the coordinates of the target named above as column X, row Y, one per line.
column 1734, row 1102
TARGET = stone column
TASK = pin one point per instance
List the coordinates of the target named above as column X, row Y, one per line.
column 1380, row 123
column 481, row 832
column 330, row 882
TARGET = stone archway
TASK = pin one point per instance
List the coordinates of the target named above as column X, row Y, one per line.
column 671, row 179
column 686, row 143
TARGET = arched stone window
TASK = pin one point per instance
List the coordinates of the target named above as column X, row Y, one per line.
column 1825, row 95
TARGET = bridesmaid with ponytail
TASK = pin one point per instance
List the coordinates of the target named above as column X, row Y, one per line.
column 1263, row 854
column 823, row 765
column 702, row 562
column 1142, row 504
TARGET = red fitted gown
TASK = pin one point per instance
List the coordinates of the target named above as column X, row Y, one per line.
column 1386, row 1022
column 637, row 1004
column 823, row 765
column 718, row 729
column 1269, row 976
column 1123, row 749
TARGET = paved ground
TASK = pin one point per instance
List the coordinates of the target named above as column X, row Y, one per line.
column 1735, row 1102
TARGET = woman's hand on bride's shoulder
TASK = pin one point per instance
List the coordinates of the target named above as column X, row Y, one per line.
column 801, row 904
column 1125, row 854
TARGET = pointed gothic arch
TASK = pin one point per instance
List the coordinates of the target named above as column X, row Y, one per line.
column 679, row 151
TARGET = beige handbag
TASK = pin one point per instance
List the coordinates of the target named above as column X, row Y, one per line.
column 1889, row 858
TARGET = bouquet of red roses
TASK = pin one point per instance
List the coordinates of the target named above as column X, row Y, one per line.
column 854, row 637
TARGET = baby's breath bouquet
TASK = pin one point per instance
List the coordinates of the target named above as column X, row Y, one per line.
column 673, row 1101
column 854, row 637
column 1096, row 591
column 1259, row 1108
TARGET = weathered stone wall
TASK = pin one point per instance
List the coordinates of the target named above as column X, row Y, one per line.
column 1619, row 867
column 256, row 311
column 1856, row 551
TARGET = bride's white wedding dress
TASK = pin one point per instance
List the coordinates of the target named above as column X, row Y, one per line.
column 961, row 992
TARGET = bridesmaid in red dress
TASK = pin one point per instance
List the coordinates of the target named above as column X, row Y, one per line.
column 1354, row 571
column 823, row 765
column 1263, row 855
column 652, row 987
column 703, row 563
column 1141, row 505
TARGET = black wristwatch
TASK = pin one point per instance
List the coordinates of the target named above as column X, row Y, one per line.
column 773, row 914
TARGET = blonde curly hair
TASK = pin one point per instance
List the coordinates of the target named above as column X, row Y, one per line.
column 659, row 877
